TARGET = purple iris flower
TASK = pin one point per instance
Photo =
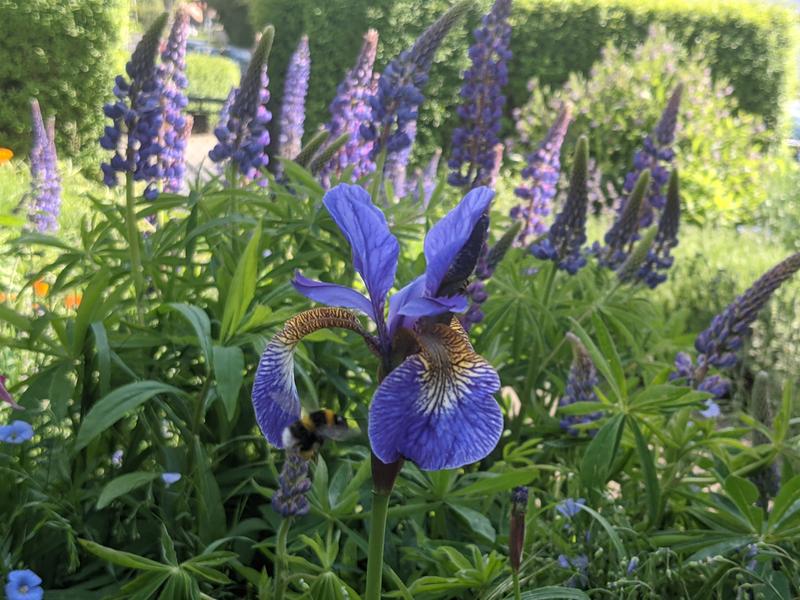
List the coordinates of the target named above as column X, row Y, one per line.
column 570, row 507
column 436, row 404
column 24, row 585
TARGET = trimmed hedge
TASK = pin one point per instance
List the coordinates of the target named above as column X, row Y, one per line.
column 211, row 76
column 71, row 50
column 750, row 45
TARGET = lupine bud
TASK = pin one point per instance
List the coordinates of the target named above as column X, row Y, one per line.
column 563, row 244
column 474, row 158
column 243, row 135
column 540, row 178
column 293, row 108
column 290, row 497
column 177, row 126
column 399, row 94
column 629, row 270
column 326, row 154
column 138, row 114
column 350, row 108
column 657, row 156
column 623, row 233
column 516, row 535
column 310, row 149
column 580, row 386
column 659, row 258
column 45, row 203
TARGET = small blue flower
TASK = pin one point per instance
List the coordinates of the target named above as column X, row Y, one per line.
column 16, row 433
column 569, row 507
column 24, row 585
column 633, row 564
column 170, row 478
column 116, row 458
column 711, row 411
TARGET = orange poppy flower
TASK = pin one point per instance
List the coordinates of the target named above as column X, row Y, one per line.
column 73, row 300
column 40, row 288
column 5, row 155
column 3, row 297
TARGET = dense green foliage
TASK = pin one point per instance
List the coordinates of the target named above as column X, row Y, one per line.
column 64, row 54
column 723, row 156
column 750, row 46
column 211, row 76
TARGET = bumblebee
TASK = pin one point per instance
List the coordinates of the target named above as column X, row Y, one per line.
column 307, row 434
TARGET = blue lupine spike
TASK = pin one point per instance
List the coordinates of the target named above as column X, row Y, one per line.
column 659, row 258
column 177, row 125
column 293, row 485
column 45, row 181
column 293, row 108
column 580, row 386
column 621, row 237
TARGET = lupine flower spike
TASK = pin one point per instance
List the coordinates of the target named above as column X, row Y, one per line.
column 540, row 178
column 45, row 204
column 350, row 108
column 563, row 244
column 474, row 158
column 242, row 134
column 293, row 108
column 399, row 94
column 580, row 386
column 622, row 236
column 177, row 125
column 290, row 497
column 659, row 258
column 657, row 156
column 717, row 346
column 435, row 404
column 137, row 117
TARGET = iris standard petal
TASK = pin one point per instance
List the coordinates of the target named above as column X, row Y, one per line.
column 275, row 398
column 437, row 408
column 333, row 294
column 375, row 249
column 412, row 302
column 446, row 239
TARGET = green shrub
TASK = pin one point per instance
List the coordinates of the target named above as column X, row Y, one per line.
column 752, row 47
column 62, row 53
column 211, row 76
column 721, row 155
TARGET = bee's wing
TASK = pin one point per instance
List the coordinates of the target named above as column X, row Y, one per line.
column 337, row 432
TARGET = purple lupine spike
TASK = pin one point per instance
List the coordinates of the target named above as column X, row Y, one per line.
column 293, row 108
column 622, row 236
column 176, row 127
column 290, row 497
column 425, row 180
column 45, row 203
column 656, row 155
column 350, row 108
column 399, row 94
column 243, row 137
column 718, row 345
column 659, row 257
column 138, row 116
column 474, row 158
column 543, row 170
column 563, row 244
column 396, row 168
column 580, row 386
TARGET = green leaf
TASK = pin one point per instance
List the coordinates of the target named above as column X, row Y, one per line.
column 555, row 593
column 598, row 358
column 117, row 404
column 210, row 511
column 600, row 453
column 123, row 559
column 744, row 495
column 88, row 310
column 229, row 374
column 119, row 486
column 198, row 319
column 242, row 288
column 788, row 498
column 610, row 351
column 612, row 533
column 476, row 521
column 649, row 470
column 491, row 483
column 103, row 350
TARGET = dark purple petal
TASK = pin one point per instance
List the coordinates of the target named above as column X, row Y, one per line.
column 437, row 408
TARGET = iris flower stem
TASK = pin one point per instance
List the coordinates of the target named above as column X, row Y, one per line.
column 281, row 558
column 133, row 243
column 377, row 534
column 517, row 594
column 377, row 182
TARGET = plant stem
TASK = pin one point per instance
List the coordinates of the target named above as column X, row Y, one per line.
column 380, row 506
column 281, row 559
column 133, row 244
column 517, row 594
column 375, row 189
column 548, row 290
